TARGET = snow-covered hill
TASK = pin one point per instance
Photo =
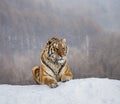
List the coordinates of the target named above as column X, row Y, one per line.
column 79, row 91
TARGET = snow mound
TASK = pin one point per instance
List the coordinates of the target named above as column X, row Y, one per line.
column 79, row 91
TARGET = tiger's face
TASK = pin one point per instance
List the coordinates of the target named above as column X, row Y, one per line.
column 57, row 50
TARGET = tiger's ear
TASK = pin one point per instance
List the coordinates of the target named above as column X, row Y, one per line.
column 63, row 40
column 49, row 42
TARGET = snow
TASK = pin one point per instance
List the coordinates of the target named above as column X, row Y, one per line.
column 78, row 91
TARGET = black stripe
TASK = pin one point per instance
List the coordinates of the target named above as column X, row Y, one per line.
column 48, row 49
column 61, row 67
column 48, row 74
column 48, row 66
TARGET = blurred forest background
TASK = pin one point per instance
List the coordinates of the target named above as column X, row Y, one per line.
column 91, row 28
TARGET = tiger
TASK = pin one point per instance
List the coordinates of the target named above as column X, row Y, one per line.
column 54, row 67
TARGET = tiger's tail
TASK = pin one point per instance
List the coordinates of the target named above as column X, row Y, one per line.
column 36, row 74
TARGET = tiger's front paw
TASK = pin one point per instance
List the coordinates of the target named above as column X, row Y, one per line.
column 66, row 79
column 53, row 83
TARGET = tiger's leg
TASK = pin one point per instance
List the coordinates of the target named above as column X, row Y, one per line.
column 51, row 82
column 36, row 74
column 67, row 75
column 47, row 79
column 41, row 77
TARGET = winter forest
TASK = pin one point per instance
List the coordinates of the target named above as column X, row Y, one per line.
column 91, row 29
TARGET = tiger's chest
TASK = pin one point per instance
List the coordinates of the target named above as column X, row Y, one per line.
column 57, row 69
column 54, row 71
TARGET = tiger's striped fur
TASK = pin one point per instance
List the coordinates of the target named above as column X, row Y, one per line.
column 53, row 67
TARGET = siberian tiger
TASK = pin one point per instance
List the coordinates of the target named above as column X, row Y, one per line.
column 53, row 67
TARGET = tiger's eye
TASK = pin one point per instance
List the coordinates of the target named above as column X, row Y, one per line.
column 56, row 49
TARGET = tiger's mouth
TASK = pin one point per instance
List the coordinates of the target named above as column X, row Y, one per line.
column 57, row 59
column 60, row 61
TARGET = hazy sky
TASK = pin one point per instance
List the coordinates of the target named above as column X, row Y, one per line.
column 106, row 12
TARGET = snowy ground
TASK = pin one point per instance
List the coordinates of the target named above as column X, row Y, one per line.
column 80, row 91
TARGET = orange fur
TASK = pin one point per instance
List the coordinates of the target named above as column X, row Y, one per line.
column 53, row 67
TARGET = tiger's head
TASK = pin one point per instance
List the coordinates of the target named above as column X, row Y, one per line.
column 56, row 50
